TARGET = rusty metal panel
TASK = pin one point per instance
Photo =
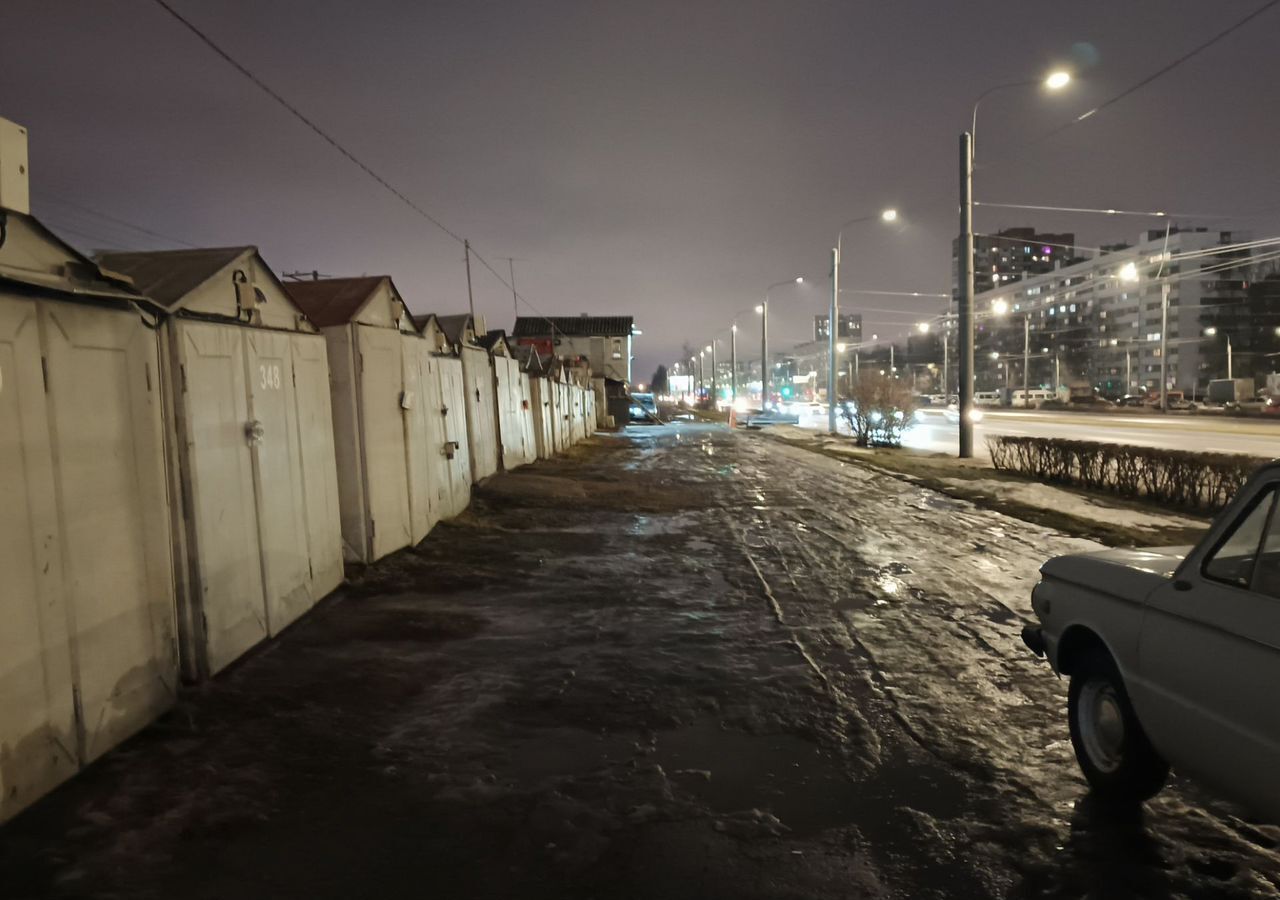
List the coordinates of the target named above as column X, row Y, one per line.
column 109, row 467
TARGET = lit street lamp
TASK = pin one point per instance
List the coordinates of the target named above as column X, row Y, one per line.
column 763, row 309
column 1211, row 332
column 833, row 322
column 1055, row 81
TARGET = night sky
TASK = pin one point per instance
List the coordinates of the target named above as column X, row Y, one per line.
column 662, row 159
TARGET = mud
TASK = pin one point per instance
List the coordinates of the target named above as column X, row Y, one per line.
column 683, row 662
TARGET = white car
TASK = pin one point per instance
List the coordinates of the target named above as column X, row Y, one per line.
column 1174, row 656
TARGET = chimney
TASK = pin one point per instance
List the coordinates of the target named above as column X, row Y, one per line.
column 14, row 192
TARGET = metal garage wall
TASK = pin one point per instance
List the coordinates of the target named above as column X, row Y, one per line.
column 386, row 475
column 482, row 434
column 109, row 472
column 217, row 467
column 515, row 423
column 561, row 431
column 418, row 458
column 452, row 435
column 319, row 468
column 527, row 412
column 37, row 715
column 540, row 398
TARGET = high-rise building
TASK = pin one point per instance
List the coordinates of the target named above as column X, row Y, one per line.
column 1011, row 255
column 850, row 327
column 1098, row 320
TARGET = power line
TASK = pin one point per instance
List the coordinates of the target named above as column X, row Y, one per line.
column 101, row 215
column 301, row 117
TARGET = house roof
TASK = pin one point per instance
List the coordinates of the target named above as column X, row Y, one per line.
column 166, row 276
column 333, row 301
column 454, row 326
column 573, row 326
column 492, row 338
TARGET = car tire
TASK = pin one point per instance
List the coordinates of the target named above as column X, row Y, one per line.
column 1111, row 747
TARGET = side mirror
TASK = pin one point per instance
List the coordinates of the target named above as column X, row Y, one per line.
column 1182, row 585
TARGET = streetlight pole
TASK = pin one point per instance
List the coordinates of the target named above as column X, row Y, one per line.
column 1055, row 81
column 1026, row 359
column 1164, row 346
column 733, row 364
column 715, row 384
column 764, row 340
column 833, row 322
column 965, row 321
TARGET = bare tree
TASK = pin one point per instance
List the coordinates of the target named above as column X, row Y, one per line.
column 878, row 410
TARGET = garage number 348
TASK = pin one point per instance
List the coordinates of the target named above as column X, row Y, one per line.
column 269, row 376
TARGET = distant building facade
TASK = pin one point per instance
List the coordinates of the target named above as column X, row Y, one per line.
column 1011, row 255
column 604, row 341
column 1099, row 319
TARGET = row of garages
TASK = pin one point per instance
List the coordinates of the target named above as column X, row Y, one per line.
column 193, row 449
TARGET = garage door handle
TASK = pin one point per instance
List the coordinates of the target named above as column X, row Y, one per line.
column 450, row 448
column 254, row 432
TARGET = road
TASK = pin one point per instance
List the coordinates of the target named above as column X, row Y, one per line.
column 936, row 431
column 681, row 663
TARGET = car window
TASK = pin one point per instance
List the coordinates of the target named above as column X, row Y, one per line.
column 1233, row 560
column 1266, row 574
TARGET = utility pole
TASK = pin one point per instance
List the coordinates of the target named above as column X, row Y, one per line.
column 833, row 327
column 1164, row 346
column 966, row 295
column 1229, row 356
column 946, row 366
column 471, row 300
column 715, row 382
column 1128, row 369
column 893, row 373
column 1057, row 373
column 764, row 354
column 515, row 298
column 733, row 364
column 1026, row 358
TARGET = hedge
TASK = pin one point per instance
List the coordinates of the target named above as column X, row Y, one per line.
column 1183, row 478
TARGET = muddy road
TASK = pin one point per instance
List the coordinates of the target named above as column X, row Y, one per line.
column 681, row 662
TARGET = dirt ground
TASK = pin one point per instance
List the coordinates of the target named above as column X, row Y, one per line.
column 679, row 662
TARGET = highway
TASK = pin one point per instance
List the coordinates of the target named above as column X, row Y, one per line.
column 938, row 432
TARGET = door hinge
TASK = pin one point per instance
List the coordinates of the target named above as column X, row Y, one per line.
column 44, row 372
column 293, row 374
column 182, row 370
column 147, row 368
column 77, row 706
column 373, row 528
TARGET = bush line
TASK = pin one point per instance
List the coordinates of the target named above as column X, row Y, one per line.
column 1204, row 482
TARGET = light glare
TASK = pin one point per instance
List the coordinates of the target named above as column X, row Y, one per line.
column 1056, row 80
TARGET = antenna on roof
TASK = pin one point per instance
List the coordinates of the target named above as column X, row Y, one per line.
column 313, row 275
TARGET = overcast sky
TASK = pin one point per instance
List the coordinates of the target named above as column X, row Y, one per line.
column 666, row 159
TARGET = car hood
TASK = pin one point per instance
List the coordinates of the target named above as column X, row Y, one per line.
column 1131, row 574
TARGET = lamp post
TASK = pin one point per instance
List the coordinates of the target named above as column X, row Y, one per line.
column 833, row 321
column 733, row 364
column 763, row 309
column 715, row 385
column 1211, row 332
column 1054, row 82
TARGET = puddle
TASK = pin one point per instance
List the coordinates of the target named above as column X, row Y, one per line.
column 792, row 778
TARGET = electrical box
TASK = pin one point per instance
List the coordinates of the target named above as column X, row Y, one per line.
column 15, row 193
column 247, row 296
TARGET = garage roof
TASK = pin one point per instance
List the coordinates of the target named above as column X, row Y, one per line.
column 333, row 301
column 573, row 326
column 166, row 276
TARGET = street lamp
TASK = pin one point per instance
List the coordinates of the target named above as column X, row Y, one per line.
column 763, row 309
column 1212, row 332
column 715, row 388
column 833, row 321
column 1055, row 81
column 733, row 365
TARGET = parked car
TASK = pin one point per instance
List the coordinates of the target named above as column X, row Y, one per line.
column 1173, row 655
column 1133, row 400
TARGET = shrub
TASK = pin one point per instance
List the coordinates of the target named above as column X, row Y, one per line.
column 1198, row 481
column 878, row 410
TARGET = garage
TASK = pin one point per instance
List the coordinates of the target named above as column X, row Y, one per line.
column 88, row 653
column 515, row 411
column 481, row 395
column 537, row 369
column 380, row 427
column 252, row 437
column 444, row 400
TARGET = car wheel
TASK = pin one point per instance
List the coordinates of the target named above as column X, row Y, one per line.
column 1111, row 747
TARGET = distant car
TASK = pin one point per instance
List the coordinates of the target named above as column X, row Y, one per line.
column 1173, row 655
column 756, row 418
column 1180, row 403
column 644, row 408
column 952, row 413
column 1133, row 400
